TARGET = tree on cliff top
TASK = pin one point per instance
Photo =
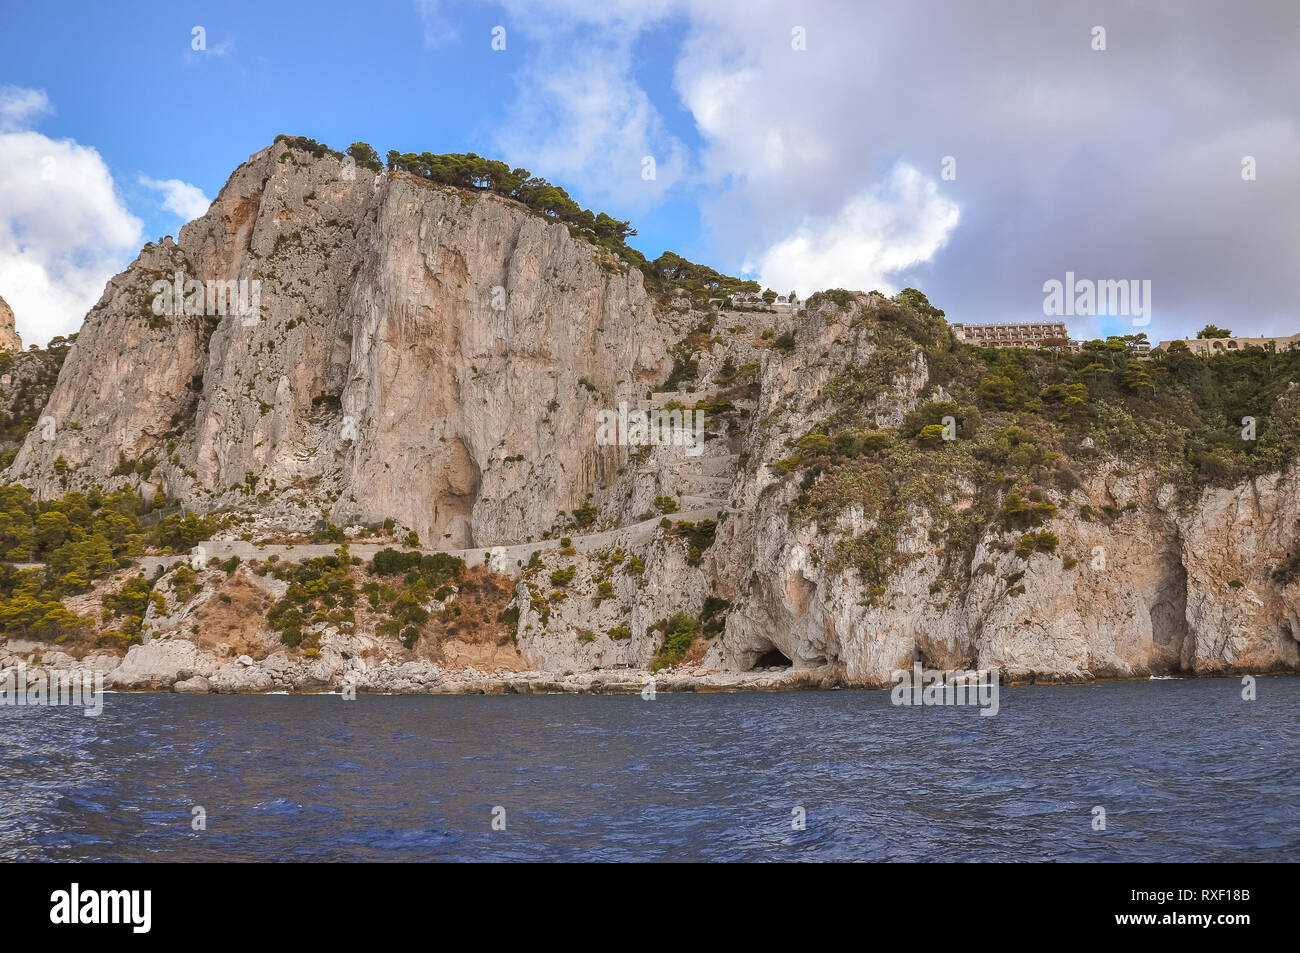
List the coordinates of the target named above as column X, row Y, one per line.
column 366, row 156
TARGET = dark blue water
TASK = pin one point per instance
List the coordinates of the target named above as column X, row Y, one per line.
column 1186, row 771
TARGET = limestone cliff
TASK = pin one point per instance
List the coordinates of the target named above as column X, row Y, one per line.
column 1142, row 577
column 9, row 339
column 26, row 380
column 417, row 355
column 871, row 493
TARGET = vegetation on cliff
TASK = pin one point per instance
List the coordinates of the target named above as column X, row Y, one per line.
column 993, row 450
column 1019, row 426
column 79, row 538
column 74, row 541
column 550, row 201
column 31, row 374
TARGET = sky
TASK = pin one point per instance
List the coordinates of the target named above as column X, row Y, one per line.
column 976, row 151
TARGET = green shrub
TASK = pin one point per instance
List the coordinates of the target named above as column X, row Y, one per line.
column 1025, row 546
column 679, row 634
column 713, row 615
column 784, row 344
column 931, row 434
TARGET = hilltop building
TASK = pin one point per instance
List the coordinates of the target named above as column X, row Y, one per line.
column 754, row 299
column 1208, row 346
column 1027, row 334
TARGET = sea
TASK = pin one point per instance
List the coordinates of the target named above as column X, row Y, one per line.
column 1160, row 770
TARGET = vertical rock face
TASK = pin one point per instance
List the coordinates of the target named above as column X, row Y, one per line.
column 417, row 355
column 1154, row 593
column 438, row 357
column 9, row 339
column 1153, row 588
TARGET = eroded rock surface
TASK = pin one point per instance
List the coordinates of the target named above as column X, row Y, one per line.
column 437, row 358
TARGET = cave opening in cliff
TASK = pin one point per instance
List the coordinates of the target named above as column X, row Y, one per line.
column 772, row 658
column 1168, row 615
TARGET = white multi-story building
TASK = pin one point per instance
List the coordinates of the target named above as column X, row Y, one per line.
column 1018, row 334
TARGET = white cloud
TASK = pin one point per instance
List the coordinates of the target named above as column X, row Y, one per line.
column 187, row 201
column 588, row 126
column 798, row 148
column 892, row 226
column 19, row 106
column 579, row 117
column 437, row 28
column 608, row 20
column 63, row 228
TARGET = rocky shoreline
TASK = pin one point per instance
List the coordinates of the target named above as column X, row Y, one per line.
column 178, row 666
column 179, row 669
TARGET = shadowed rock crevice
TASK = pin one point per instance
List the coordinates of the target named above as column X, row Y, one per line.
column 772, row 658
column 1168, row 613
